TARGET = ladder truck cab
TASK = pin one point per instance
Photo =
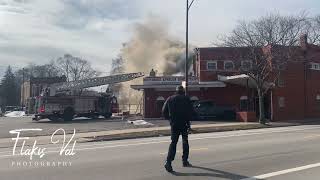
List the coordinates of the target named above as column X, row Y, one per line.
column 67, row 100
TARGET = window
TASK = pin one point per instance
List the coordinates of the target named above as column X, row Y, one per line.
column 212, row 65
column 207, row 103
column 160, row 101
column 314, row 66
column 160, row 98
column 318, row 101
column 280, row 81
column 246, row 65
column 244, row 103
column 281, row 102
column 228, row 65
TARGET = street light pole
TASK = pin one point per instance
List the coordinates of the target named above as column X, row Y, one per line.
column 22, row 94
column 187, row 45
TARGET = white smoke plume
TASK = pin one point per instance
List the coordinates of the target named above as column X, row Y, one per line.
column 151, row 47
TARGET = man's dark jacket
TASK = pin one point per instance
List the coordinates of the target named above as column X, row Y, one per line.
column 178, row 110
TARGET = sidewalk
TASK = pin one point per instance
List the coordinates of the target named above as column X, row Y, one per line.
column 144, row 132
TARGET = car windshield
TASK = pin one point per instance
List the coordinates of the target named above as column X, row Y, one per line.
column 208, row 103
column 12, row 108
column 205, row 104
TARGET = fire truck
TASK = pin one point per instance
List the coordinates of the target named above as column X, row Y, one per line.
column 68, row 100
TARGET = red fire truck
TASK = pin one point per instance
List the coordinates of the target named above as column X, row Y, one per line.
column 67, row 100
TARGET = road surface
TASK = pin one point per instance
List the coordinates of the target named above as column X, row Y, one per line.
column 287, row 153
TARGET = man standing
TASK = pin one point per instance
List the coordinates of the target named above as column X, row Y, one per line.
column 178, row 110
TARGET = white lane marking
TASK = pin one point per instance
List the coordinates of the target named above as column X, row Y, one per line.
column 6, row 152
column 277, row 173
column 314, row 136
column 146, row 142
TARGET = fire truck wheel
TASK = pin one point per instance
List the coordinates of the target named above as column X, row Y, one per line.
column 53, row 118
column 108, row 115
column 68, row 114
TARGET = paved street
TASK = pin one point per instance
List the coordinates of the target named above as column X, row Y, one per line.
column 287, row 153
column 81, row 125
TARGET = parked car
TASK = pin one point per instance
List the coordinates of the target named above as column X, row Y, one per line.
column 207, row 109
column 9, row 109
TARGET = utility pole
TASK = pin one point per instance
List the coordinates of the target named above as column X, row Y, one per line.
column 187, row 45
column 22, row 96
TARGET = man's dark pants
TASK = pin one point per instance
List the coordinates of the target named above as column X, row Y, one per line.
column 175, row 133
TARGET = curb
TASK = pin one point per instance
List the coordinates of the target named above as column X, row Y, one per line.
column 166, row 132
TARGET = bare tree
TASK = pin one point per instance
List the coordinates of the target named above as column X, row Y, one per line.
column 75, row 68
column 270, row 29
column 270, row 42
column 313, row 30
column 33, row 70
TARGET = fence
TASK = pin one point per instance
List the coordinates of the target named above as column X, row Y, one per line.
column 131, row 108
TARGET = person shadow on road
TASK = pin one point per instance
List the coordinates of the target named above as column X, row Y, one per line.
column 211, row 173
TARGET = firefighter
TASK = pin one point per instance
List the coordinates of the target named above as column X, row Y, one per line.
column 178, row 110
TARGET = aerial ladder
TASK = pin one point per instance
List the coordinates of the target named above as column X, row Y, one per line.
column 63, row 87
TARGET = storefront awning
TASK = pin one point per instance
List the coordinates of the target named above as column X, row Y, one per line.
column 173, row 87
column 242, row 80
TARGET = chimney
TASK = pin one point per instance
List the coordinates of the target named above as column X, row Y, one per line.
column 304, row 41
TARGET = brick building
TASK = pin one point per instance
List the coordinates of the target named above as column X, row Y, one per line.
column 217, row 77
column 34, row 86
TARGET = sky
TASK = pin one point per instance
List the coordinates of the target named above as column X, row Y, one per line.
column 36, row 31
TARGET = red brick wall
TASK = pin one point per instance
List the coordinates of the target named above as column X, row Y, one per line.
column 293, row 92
column 300, row 94
column 313, row 84
column 313, row 89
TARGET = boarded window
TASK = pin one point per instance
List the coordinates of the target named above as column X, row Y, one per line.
column 246, row 65
column 281, row 102
column 318, row 101
column 280, row 81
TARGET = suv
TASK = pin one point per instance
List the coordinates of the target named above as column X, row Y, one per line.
column 209, row 110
